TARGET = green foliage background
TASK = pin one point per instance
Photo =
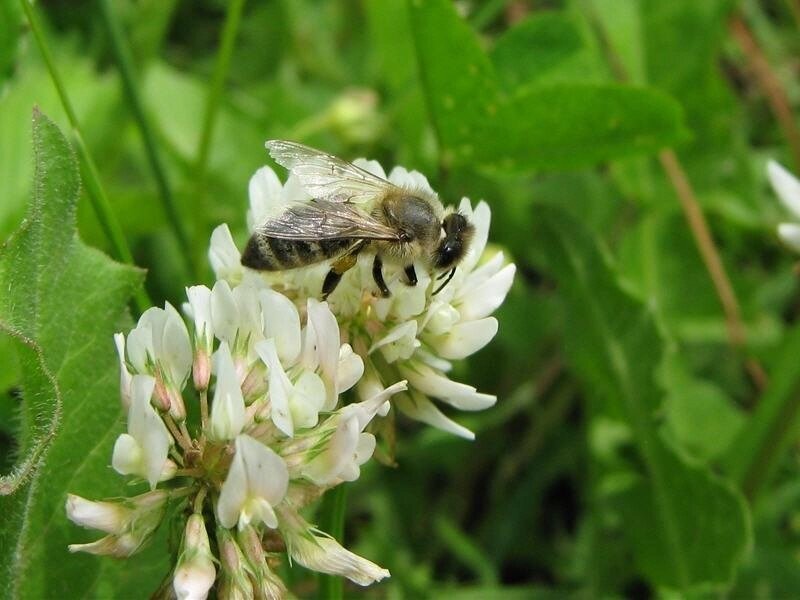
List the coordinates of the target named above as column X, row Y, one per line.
column 632, row 451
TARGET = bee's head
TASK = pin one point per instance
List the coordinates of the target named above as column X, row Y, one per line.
column 454, row 243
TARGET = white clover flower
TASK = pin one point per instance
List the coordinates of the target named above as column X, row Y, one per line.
column 195, row 573
column 128, row 523
column 125, row 376
column 143, row 450
column 787, row 187
column 413, row 334
column 256, row 482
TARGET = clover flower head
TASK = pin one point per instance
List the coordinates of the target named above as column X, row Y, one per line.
column 268, row 379
column 414, row 334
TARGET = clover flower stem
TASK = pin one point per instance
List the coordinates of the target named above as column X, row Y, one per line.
column 195, row 473
column 183, row 442
column 185, row 431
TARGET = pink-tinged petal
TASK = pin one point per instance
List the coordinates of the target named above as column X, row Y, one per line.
column 465, row 338
column 785, row 185
column 484, row 299
column 281, row 323
column 421, row 409
column 790, row 235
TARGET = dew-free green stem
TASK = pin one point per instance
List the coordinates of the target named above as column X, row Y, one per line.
column 333, row 511
column 229, row 31
column 89, row 172
column 124, row 61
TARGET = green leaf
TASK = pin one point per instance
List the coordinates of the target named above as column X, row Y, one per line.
column 10, row 27
column 481, row 123
column 687, row 527
column 63, row 301
column 540, row 43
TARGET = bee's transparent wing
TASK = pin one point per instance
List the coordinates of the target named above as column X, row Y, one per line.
column 323, row 220
column 327, row 177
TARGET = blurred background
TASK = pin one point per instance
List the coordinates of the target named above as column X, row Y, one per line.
column 648, row 358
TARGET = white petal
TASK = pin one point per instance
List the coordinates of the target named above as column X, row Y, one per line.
column 127, row 458
column 350, row 369
column 307, row 399
column 326, row 332
column 435, row 384
column 147, row 428
column 125, row 376
column 412, row 180
column 140, row 346
column 422, row 409
column 339, row 450
column 399, row 343
column 481, row 218
column 485, row 298
column 282, row 323
column 227, row 409
column 110, row 517
column 465, row 338
column 371, row 166
column 266, row 197
column 280, row 388
column 176, row 348
column 224, row 312
column 785, row 185
column 790, row 234
column 234, row 492
column 200, row 302
column 224, row 255
column 327, row 556
column 267, row 475
column 195, row 573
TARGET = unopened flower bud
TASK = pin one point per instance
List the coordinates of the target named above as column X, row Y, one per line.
column 195, row 573
column 268, row 585
column 234, row 581
column 177, row 408
column 254, row 385
column 201, row 370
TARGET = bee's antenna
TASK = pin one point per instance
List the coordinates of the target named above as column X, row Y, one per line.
column 449, row 277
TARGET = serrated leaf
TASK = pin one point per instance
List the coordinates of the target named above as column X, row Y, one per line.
column 481, row 123
column 68, row 299
column 687, row 527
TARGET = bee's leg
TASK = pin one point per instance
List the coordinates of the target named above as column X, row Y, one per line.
column 377, row 275
column 411, row 275
column 449, row 277
column 339, row 268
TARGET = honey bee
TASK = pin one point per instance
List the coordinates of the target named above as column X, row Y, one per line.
column 352, row 211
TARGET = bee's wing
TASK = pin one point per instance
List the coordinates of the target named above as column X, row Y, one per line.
column 321, row 220
column 327, row 177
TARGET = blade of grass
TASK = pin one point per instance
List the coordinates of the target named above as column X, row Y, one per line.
column 89, row 172
column 334, row 508
column 122, row 55
column 229, row 31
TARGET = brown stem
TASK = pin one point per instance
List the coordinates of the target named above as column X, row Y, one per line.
column 769, row 82
column 183, row 442
column 711, row 258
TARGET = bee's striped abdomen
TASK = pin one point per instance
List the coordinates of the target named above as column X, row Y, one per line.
column 266, row 253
